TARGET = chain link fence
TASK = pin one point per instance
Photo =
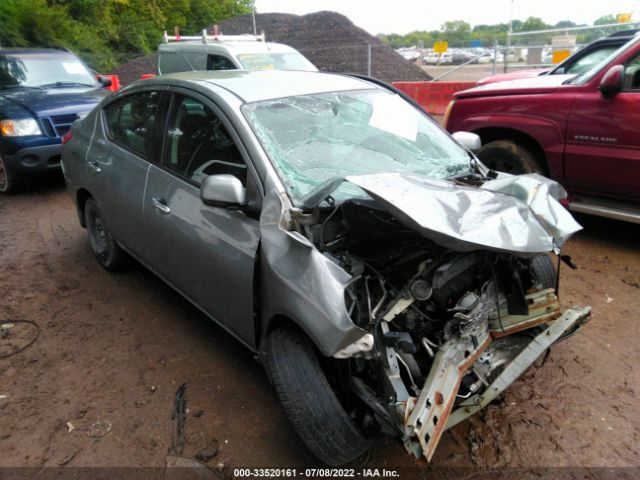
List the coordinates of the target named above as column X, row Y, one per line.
column 376, row 60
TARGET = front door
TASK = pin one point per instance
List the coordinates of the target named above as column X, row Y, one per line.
column 602, row 155
column 207, row 253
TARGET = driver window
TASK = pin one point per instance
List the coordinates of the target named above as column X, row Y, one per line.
column 632, row 75
column 198, row 144
column 219, row 62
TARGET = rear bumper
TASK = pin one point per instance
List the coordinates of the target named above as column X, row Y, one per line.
column 35, row 160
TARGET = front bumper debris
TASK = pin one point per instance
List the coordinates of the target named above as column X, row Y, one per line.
column 428, row 416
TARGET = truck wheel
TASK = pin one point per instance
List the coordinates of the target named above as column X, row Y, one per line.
column 544, row 271
column 104, row 247
column 510, row 157
column 309, row 401
column 9, row 181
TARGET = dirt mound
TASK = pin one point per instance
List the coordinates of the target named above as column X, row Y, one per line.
column 331, row 41
column 130, row 72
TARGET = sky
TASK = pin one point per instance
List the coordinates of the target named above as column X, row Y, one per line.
column 408, row 15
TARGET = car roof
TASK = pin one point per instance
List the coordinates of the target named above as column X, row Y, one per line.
column 33, row 51
column 624, row 33
column 258, row 85
column 238, row 47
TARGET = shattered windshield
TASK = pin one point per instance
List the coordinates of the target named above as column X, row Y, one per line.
column 312, row 139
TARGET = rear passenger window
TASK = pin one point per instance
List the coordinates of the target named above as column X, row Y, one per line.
column 130, row 121
column 219, row 62
column 198, row 144
column 171, row 62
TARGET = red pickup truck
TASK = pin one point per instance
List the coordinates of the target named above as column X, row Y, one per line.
column 582, row 130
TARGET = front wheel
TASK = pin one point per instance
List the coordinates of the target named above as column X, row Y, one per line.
column 318, row 417
column 104, row 247
column 544, row 271
column 510, row 157
column 9, row 181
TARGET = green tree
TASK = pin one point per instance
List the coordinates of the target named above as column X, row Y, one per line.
column 532, row 23
column 456, row 32
column 106, row 32
column 607, row 19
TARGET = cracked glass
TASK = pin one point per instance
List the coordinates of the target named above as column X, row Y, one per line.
column 312, row 139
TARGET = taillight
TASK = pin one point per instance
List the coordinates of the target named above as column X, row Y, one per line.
column 66, row 137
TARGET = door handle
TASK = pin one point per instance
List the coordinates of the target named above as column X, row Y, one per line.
column 160, row 205
column 94, row 166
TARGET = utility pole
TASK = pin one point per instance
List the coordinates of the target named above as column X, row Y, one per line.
column 505, row 58
column 253, row 14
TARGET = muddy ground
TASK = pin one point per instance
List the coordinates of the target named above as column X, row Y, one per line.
column 97, row 387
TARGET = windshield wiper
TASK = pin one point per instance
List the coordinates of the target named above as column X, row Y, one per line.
column 569, row 81
column 67, row 84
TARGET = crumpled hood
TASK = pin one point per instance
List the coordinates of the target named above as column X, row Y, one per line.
column 55, row 101
column 514, row 214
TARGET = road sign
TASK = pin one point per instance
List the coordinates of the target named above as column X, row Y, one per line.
column 562, row 46
column 559, row 56
column 623, row 17
column 440, row 47
column 563, row 41
column 476, row 43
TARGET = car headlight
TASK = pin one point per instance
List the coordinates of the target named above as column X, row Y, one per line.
column 19, row 128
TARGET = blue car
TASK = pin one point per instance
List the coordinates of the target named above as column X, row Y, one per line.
column 42, row 92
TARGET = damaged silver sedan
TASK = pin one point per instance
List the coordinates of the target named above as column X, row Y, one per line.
column 389, row 282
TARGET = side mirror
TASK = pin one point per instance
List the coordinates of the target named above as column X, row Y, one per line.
column 612, row 81
column 223, row 190
column 468, row 140
column 104, row 81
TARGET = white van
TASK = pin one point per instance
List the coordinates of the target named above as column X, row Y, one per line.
column 227, row 52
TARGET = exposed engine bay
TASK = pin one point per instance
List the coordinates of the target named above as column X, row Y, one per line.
column 448, row 330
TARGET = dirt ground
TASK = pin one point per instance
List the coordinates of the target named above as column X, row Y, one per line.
column 97, row 387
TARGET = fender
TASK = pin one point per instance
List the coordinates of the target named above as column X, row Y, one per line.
column 546, row 133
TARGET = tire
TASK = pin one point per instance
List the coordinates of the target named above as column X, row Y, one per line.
column 544, row 271
column 104, row 247
column 311, row 405
column 10, row 182
column 510, row 157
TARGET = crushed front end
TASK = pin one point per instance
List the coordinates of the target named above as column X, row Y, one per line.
column 451, row 323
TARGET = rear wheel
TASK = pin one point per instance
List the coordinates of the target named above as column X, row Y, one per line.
column 9, row 181
column 104, row 247
column 318, row 417
column 510, row 157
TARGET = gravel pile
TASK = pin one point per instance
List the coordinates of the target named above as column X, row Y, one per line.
column 330, row 40
column 132, row 70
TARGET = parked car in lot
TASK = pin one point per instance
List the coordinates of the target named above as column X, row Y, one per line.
column 579, row 62
column 42, row 92
column 581, row 130
column 337, row 231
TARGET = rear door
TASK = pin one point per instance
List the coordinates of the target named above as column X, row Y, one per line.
column 602, row 155
column 122, row 149
column 207, row 253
